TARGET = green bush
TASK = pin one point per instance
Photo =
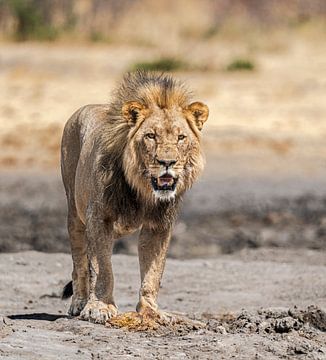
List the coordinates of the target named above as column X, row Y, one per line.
column 240, row 65
column 30, row 22
column 162, row 64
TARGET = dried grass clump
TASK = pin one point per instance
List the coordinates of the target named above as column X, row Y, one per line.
column 161, row 64
column 241, row 64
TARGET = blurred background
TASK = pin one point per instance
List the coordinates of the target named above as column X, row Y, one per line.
column 259, row 65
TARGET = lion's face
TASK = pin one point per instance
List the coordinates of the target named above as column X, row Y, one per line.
column 164, row 157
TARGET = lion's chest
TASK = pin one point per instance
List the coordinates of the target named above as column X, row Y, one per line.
column 122, row 228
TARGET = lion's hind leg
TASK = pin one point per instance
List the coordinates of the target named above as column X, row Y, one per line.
column 80, row 274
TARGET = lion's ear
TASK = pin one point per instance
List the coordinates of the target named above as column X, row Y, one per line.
column 133, row 111
column 198, row 113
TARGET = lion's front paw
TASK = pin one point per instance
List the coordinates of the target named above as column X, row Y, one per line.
column 148, row 309
column 98, row 312
column 77, row 305
column 161, row 317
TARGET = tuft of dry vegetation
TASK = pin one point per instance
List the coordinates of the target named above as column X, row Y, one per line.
column 241, row 64
column 161, row 64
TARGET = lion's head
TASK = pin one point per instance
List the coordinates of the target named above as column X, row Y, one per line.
column 162, row 156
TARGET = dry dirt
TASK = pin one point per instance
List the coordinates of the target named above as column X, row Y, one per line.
column 245, row 308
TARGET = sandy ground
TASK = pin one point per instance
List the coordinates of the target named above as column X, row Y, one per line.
column 248, row 309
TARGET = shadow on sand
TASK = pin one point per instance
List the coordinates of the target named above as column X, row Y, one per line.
column 37, row 316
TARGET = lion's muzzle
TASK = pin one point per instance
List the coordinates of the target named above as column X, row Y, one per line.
column 164, row 182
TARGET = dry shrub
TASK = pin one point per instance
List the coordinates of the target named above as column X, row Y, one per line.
column 241, row 64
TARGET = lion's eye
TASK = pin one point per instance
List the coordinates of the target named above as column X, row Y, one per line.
column 181, row 137
column 150, row 136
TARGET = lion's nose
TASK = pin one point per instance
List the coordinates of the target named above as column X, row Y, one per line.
column 166, row 163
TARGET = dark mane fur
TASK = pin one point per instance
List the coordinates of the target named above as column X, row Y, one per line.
column 124, row 201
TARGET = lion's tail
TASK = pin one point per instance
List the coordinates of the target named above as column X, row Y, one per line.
column 67, row 291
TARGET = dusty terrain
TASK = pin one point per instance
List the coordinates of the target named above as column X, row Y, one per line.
column 247, row 258
column 248, row 308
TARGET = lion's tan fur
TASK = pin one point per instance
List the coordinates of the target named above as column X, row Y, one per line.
column 108, row 167
column 148, row 89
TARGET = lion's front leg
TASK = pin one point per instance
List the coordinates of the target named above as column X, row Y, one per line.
column 100, row 305
column 152, row 249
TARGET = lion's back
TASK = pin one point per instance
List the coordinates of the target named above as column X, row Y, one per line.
column 77, row 135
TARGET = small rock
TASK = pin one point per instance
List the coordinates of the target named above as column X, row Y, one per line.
column 215, row 325
column 287, row 324
column 316, row 317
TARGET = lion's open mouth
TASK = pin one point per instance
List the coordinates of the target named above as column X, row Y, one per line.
column 164, row 182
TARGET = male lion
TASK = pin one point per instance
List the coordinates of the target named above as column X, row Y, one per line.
column 125, row 166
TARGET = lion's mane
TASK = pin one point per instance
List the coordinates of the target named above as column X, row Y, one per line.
column 148, row 89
